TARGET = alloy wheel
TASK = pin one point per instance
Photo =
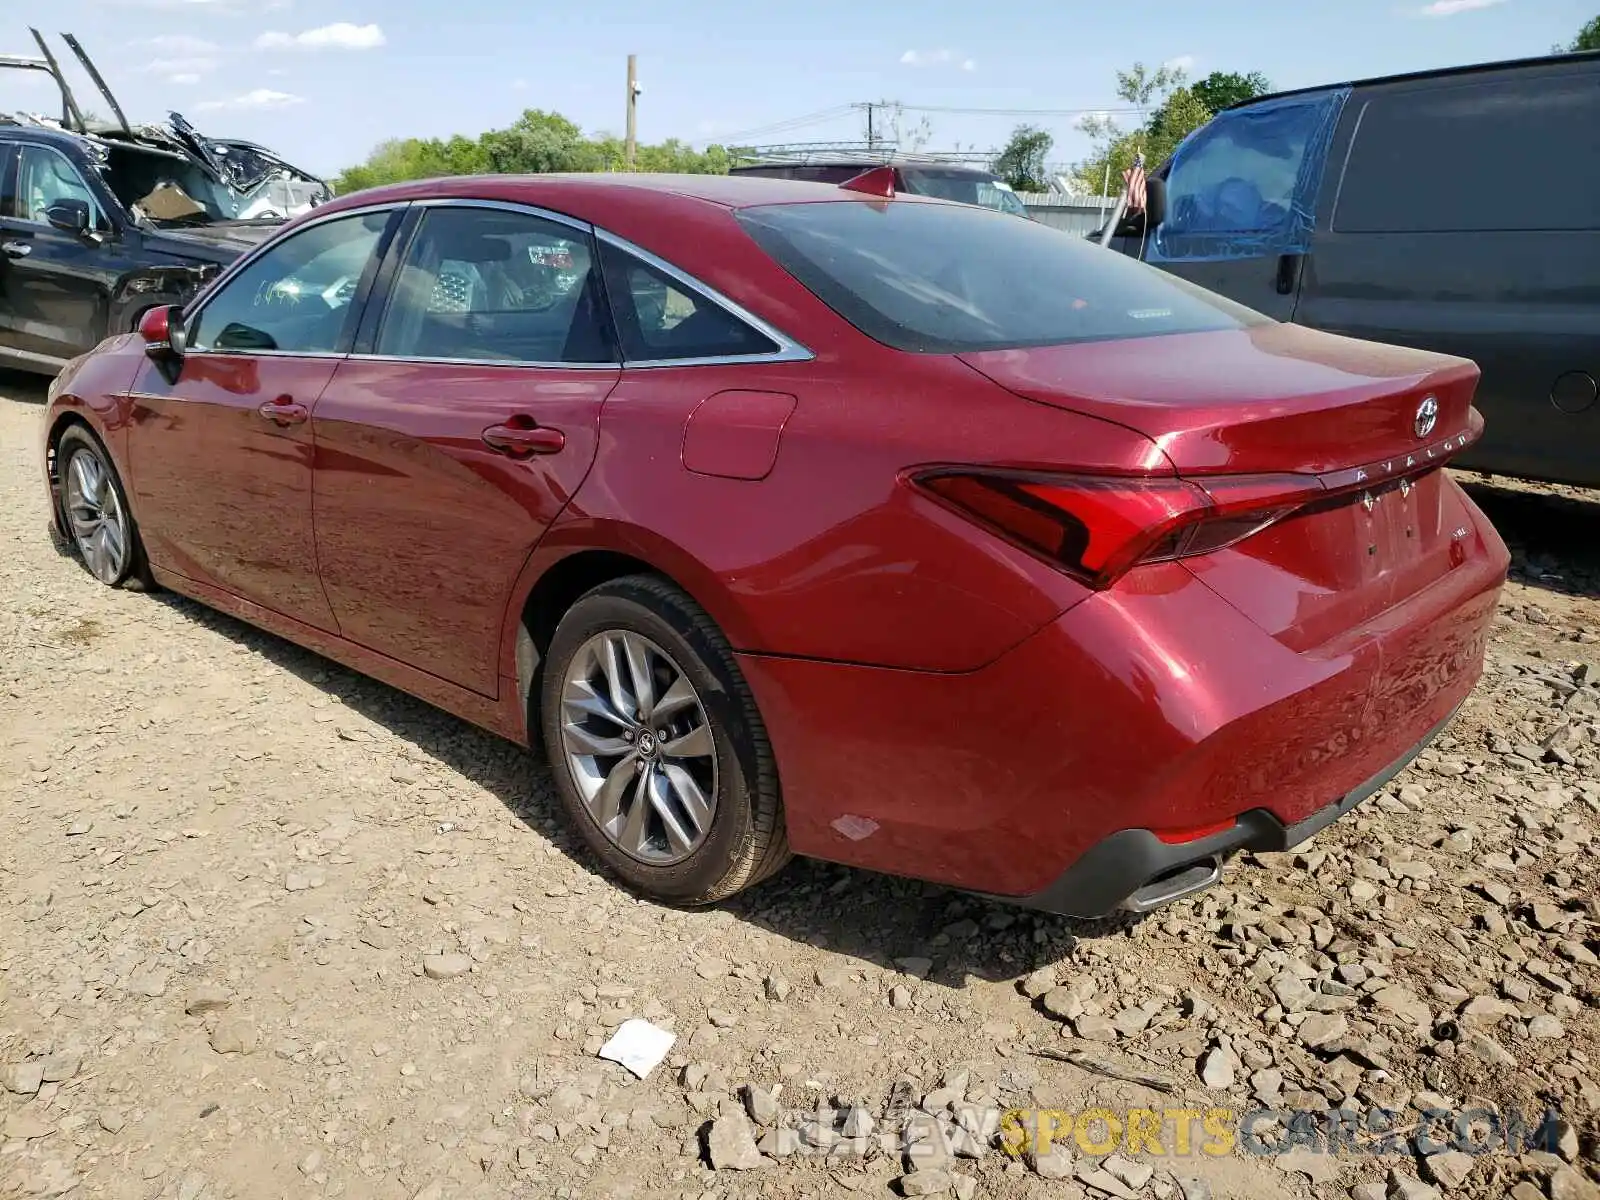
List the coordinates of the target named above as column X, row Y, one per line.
column 99, row 522
column 639, row 747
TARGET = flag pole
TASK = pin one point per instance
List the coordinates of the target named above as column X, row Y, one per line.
column 1122, row 201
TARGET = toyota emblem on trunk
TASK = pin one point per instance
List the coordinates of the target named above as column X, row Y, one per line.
column 1427, row 417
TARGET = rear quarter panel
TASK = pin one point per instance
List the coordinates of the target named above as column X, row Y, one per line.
column 833, row 554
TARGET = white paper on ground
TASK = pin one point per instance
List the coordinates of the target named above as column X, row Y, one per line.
column 638, row 1045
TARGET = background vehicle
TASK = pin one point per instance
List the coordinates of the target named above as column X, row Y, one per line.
column 1414, row 210
column 99, row 224
column 93, row 235
column 890, row 531
column 917, row 176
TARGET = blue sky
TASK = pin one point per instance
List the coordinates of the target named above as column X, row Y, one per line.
column 322, row 81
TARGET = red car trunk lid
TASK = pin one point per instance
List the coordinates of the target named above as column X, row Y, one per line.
column 1273, row 398
column 1369, row 423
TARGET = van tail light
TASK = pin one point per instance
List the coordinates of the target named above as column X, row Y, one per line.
column 1098, row 527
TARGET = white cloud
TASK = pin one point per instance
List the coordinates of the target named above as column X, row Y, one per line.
column 259, row 99
column 935, row 58
column 1184, row 62
column 1449, row 8
column 519, row 85
column 183, row 78
column 339, row 36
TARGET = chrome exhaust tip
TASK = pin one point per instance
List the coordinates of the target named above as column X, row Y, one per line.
column 1175, row 885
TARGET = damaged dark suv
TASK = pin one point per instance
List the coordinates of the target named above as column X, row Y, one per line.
column 99, row 224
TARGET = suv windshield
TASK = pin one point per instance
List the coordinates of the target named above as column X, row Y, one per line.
column 947, row 278
column 966, row 187
column 167, row 188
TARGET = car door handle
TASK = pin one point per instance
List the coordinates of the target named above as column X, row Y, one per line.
column 1288, row 273
column 284, row 411
column 16, row 249
column 519, row 440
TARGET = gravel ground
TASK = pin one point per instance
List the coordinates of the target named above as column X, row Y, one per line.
column 270, row 929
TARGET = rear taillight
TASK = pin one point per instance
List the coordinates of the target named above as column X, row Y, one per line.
column 1097, row 527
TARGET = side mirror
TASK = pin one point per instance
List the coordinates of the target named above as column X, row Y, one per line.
column 69, row 216
column 1155, row 201
column 162, row 331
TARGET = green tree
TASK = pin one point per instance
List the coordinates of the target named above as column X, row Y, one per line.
column 1223, row 89
column 1588, row 37
column 537, row 142
column 1021, row 163
column 1179, row 109
column 1116, row 148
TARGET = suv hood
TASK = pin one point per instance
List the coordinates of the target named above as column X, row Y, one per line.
column 1267, row 398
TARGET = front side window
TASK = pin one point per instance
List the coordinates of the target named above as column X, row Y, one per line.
column 296, row 297
column 493, row 285
column 1245, row 185
column 946, row 278
column 45, row 177
column 660, row 319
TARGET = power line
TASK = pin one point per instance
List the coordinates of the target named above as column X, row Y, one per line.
column 822, row 116
column 792, row 123
column 1019, row 112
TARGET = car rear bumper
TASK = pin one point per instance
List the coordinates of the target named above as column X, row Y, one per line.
column 1137, row 723
column 1136, row 871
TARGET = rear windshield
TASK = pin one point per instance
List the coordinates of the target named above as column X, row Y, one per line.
column 947, row 278
column 964, row 187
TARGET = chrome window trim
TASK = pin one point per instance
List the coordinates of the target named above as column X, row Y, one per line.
column 243, row 262
column 788, row 349
column 482, row 362
column 263, row 354
column 512, row 206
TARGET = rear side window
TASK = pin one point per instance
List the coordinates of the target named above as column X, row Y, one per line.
column 1245, row 185
column 494, row 285
column 660, row 319
column 946, row 278
column 1513, row 154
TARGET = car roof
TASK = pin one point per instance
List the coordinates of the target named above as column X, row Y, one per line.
column 725, row 191
column 41, row 134
column 1589, row 57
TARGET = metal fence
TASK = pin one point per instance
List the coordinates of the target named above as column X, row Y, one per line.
column 1070, row 214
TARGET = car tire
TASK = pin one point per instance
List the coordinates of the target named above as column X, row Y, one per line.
column 95, row 513
column 687, row 818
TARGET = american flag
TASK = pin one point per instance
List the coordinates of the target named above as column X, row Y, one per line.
column 1133, row 177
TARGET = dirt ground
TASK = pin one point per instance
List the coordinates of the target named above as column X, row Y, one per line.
column 270, row 929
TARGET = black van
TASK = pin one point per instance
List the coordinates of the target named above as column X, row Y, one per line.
column 1454, row 210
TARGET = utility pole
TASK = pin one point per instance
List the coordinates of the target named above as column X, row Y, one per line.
column 872, row 142
column 633, row 107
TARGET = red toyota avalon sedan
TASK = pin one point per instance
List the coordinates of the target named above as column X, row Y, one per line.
column 795, row 518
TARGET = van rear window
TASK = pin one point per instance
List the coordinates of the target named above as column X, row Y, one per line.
column 947, row 278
